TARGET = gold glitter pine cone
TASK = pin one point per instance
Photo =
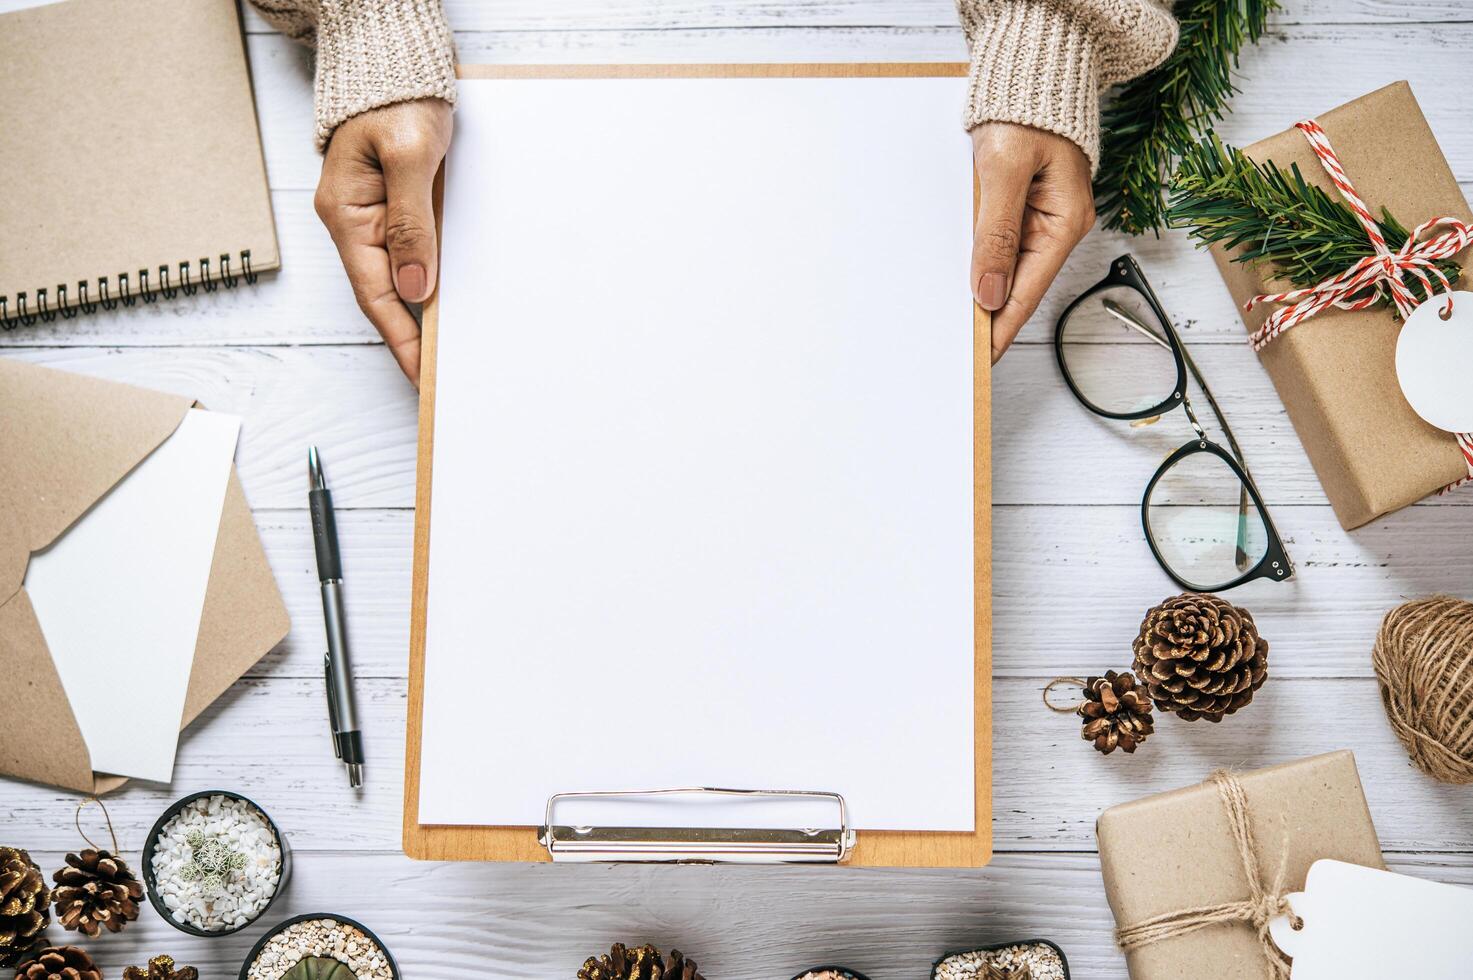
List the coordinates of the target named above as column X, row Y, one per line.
column 59, row 963
column 161, row 968
column 1200, row 656
column 640, row 963
column 1116, row 713
column 24, row 905
column 95, row 891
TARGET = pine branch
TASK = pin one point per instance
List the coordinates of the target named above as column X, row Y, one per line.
column 1263, row 215
column 1153, row 119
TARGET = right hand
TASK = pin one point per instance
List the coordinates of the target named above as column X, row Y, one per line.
column 1037, row 204
column 375, row 197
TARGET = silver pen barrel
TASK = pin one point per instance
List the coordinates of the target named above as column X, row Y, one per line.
column 337, row 647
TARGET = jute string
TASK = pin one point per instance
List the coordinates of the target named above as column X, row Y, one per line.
column 77, row 819
column 1062, row 709
column 1424, row 662
column 1261, row 905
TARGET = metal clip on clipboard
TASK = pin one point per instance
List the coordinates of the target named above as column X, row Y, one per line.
column 697, row 844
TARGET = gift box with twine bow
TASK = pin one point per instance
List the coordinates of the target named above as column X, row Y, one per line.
column 1335, row 371
column 1194, row 875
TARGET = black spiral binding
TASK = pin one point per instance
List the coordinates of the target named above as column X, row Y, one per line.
column 126, row 290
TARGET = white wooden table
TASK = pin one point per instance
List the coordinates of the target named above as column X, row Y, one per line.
column 1072, row 573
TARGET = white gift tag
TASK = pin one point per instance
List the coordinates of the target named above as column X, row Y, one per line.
column 1434, row 361
column 1364, row 924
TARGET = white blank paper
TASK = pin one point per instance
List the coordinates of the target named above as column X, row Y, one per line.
column 702, row 478
column 119, row 597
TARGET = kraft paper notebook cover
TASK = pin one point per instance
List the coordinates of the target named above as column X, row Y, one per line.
column 536, row 655
column 65, row 441
column 131, row 156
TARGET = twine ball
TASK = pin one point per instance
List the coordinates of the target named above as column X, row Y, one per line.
column 1424, row 664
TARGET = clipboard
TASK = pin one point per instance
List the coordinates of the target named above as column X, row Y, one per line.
column 868, row 848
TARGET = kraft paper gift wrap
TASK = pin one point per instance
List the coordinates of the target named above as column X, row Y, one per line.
column 1336, row 371
column 1176, row 851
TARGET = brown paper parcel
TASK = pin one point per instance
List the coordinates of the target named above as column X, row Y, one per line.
column 1336, row 372
column 65, row 441
column 1175, row 851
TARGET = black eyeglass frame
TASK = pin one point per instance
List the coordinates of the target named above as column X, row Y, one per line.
column 1124, row 271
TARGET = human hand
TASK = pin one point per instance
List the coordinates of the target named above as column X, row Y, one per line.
column 375, row 197
column 1037, row 205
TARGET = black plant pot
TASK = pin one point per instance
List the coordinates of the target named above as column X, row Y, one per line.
column 994, row 948
column 151, row 884
column 245, row 968
column 841, row 970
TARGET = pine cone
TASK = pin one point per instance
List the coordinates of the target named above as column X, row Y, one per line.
column 24, row 901
column 677, row 967
column 641, row 963
column 59, row 963
column 1200, row 656
column 161, row 968
column 95, row 890
column 1116, row 713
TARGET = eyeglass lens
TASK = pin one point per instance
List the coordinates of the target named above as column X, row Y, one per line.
column 1205, row 525
column 1115, row 350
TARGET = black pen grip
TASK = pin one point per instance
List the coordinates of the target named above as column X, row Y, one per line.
column 350, row 745
column 325, row 535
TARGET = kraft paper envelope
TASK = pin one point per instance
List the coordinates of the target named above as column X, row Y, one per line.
column 65, row 441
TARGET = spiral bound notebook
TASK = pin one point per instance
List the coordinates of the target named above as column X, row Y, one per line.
column 131, row 161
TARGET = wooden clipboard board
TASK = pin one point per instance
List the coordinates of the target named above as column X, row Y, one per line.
column 874, row 848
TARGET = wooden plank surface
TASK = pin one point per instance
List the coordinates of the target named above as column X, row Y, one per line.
column 473, row 922
column 1072, row 574
column 478, row 16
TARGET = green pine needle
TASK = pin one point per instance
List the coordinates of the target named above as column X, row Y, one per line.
column 1261, row 214
column 1153, row 119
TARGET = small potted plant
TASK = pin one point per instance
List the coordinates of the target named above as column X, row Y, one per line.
column 214, row 863
column 320, row 946
column 1031, row 959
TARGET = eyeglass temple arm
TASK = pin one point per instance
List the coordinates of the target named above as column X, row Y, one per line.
column 1240, row 557
column 1126, row 317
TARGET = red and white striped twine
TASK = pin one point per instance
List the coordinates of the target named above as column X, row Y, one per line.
column 1381, row 270
column 1465, row 443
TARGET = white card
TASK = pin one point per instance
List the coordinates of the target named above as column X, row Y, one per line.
column 1434, row 361
column 1364, row 924
column 119, row 597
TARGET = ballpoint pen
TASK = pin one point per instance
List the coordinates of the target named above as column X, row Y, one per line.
column 342, row 714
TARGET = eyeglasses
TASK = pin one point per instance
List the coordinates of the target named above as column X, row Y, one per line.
column 1203, row 516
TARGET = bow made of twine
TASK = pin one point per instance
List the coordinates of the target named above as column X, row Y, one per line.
column 1378, row 274
column 1382, row 269
column 1258, row 909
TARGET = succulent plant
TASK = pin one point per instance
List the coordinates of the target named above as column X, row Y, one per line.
column 319, row 968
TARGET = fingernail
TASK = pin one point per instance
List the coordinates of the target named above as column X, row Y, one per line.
column 992, row 291
column 411, row 282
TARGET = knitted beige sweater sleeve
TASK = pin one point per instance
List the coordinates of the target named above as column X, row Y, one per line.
column 370, row 53
column 1044, row 63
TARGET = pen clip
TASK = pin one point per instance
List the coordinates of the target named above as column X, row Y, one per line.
column 332, row 705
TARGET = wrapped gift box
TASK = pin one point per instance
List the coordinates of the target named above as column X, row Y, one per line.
column 1176, row 852
column 1336, row 372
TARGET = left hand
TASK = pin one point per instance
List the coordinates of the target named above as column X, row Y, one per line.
column 375, row 197
column 1037, row 204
